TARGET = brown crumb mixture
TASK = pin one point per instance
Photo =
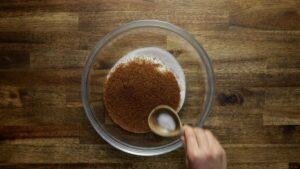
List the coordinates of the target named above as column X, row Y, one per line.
column 134, row 88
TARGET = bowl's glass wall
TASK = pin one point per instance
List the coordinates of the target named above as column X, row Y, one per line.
column 114, row 49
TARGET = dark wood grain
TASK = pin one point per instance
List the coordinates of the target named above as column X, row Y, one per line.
column 282, row 106
column 254, row 47
column 265, row 15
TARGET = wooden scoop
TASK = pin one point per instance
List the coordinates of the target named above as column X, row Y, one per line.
column 161, row 121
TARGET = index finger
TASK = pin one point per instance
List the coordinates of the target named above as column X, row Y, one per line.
column 190, row 140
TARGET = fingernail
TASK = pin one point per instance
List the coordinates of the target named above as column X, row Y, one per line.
column 186, row 125
column 189, row 127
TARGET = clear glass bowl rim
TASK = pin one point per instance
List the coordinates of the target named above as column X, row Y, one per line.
column 141, row 151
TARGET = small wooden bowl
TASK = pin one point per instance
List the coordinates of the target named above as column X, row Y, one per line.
column 157, row 129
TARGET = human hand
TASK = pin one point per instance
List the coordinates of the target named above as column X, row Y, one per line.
column 202, row 149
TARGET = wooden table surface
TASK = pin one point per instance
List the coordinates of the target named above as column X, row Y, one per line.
column 254, row 46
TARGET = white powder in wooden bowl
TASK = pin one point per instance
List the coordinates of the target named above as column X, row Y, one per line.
column 166, row 122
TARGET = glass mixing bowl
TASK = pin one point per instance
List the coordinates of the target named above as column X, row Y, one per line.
column 197, row 68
